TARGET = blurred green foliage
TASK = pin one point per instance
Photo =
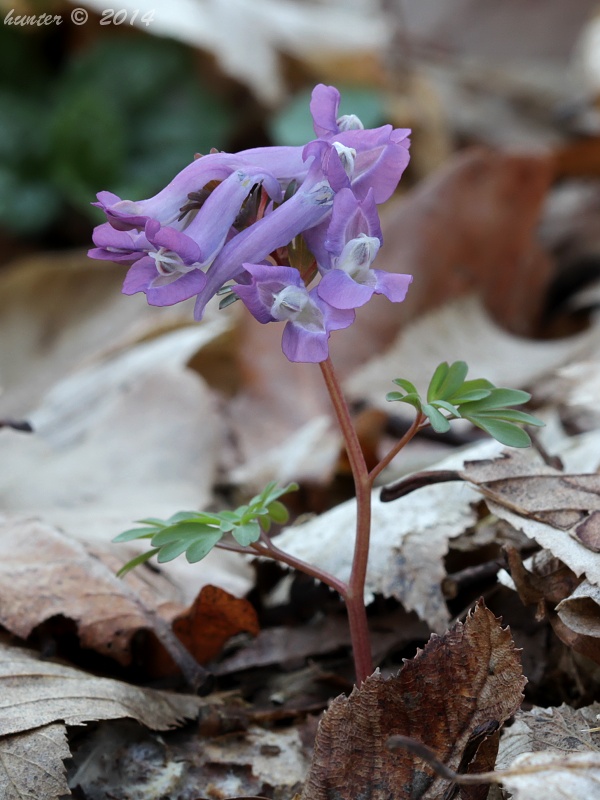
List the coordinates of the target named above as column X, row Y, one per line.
column 124, row 115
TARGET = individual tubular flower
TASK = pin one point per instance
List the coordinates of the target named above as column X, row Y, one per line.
column 279, row 294
column 352, row 243
column 168, row 263
column 281, row 164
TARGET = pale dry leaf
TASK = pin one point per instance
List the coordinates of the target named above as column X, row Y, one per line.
column 136, row 456
column 277, row 757
column 554, row 776
column 580, row 611
column 462, row 330
column 409, row 540
column 40, row 346
column 31, row 764
column 36, row 693
column 469, row 679
column 562, row 729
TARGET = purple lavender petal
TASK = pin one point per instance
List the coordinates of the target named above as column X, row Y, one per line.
column 179, row 243
column 300, row 345
column 124, row 247
column 139, row 276
column 311, row 203
column 350, row 218
column 283, row 163
column 392, row 285
column 324, row 104
column 339, row 290
column 184, row 287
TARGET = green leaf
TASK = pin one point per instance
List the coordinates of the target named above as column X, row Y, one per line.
column 135, row 562
column 278, row 512
column 202, row 547
column 411, row 399
column 447, row 407
column 454, row 379
column 182, row 531
column 498, row 398
column 408, row 387
column 246, row 534
column 438, row 378
column 171, row 550
column 504, row 432
column 511, row 415
column 469, row 397
column 439, row 423
column 136, row 533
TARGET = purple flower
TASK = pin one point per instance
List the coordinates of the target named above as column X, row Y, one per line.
column 166, row 264
column 352, row 243
column 275, row 166
column 278, row 293
column 307, row 207
column 324, row 105
column 167, row 257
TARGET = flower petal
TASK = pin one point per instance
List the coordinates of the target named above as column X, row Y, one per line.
column 339, row 290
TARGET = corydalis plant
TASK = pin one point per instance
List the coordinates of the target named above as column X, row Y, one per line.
column 232, row 222
column 291, row 232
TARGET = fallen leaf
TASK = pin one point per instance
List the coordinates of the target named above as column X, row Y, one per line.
column 45, row 573
column 467, row 678
column 556, row 776
column 409, row 540
column 37, row 693
column 539, row 729
column 31, row 764
column 205, row 627
column 559, row 739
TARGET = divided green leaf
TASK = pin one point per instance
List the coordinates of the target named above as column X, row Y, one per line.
column 478, row 401
column 195, row 533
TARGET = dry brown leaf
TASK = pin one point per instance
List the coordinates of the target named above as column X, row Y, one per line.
column 471, row 227
column 554, row 776
column 204, row 628
column 31, row 764
column 36, row 693
column 44, row 574
column 467, row 678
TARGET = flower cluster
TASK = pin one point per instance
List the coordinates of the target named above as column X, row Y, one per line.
column 233, row 220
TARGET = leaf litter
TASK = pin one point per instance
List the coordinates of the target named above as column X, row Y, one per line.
column 434, row 552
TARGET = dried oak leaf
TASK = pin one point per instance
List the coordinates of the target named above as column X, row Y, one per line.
column 467, row 678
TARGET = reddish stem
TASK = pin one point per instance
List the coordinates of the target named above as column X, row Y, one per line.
column 354, row 595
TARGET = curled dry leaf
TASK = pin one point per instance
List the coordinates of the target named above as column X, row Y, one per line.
column 467, row 678
column 44, row 574
column 204, row 628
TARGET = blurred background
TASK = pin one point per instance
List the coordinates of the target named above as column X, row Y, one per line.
column 96, row 98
